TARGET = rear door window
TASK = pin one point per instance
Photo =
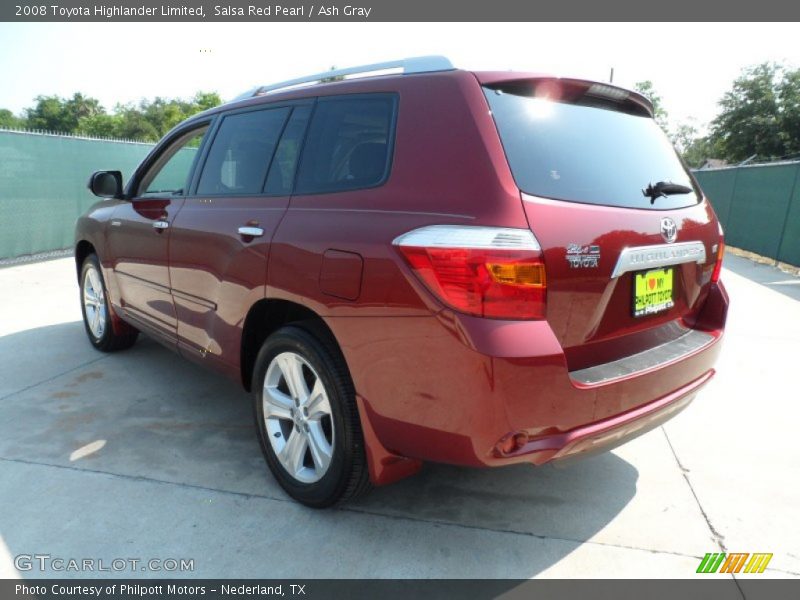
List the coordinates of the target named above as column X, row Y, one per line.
column 241, row 153
column 586, row 151
column 349, row 144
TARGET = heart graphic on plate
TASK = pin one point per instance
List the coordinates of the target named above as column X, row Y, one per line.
column 651, row 283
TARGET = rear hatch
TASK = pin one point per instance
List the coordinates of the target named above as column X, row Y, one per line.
column 628, row 267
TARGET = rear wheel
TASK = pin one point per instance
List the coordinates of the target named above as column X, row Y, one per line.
column 96, row 311
column 307, row 419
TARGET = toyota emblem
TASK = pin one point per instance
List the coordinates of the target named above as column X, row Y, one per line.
column 669, row 231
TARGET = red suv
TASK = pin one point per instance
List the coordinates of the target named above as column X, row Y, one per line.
column 476, row 268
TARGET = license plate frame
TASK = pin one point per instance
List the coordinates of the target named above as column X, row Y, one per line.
column 653, row 291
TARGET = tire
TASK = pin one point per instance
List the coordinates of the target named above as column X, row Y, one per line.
column 97, row 312
column 311, row 439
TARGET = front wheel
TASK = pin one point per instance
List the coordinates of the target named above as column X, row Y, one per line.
column 307, row 419
column 96, row 310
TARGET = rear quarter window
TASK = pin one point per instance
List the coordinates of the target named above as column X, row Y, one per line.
column 349, row 144
column 585, row 152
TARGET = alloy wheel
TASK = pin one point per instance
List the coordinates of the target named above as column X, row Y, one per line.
column 298, row 419
column 94, row 303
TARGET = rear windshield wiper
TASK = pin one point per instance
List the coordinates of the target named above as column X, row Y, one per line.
column 664, row 189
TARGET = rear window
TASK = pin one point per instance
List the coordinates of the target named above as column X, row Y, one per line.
column 586, row 151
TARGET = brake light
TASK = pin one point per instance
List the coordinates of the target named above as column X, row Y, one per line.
column 485, row 271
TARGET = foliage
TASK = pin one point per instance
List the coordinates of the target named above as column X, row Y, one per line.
column 148, row 120
column 788, row 92
column 57, row 114
column 332, row 78
column 750, row 120
column 9, row 120
column 646, row 88
column 759, row 116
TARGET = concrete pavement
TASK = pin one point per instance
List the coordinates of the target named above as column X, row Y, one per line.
column 143, row 455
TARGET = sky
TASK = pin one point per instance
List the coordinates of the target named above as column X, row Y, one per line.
column 691, row 65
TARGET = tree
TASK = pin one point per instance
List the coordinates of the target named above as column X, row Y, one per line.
column 57, row 114
column 147, row 121
column 647, row 89
column 151, row 119
column 683, row 136
column 205, row 100
column 332, row 78
column 48, row 113
column 133, row 124
column 10, row 121
column 81, row 107
column 101, row 125
column 164, row 114
column 699, row 150
column 788, row 91
column 750, row 120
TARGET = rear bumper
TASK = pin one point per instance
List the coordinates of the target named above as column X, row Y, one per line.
column 612, row 432
column 451, row 388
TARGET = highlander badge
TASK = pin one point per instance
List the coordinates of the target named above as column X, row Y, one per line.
column 583, row 256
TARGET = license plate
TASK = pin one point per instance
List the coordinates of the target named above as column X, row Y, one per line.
column 652, row 292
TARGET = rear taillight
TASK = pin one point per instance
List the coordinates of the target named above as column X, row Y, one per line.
column 718, row 266
column 720, row 254
column 486, row 271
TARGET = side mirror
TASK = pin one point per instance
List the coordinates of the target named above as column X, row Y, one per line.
column 106, row 184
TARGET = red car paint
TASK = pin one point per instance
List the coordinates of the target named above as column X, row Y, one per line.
column 432, row 384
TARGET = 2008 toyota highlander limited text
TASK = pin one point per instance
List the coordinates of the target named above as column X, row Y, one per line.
column 424, row 264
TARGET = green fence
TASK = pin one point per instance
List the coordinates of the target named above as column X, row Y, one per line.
column 759, row 207
column 43, row 191
column 43, row 185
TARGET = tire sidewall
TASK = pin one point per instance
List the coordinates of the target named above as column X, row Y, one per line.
column 329, row 488
column 92, row 262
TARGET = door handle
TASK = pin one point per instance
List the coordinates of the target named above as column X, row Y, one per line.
column 161, row 224
column 250, row 231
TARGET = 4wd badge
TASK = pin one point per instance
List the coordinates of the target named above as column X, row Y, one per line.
column 582, row 257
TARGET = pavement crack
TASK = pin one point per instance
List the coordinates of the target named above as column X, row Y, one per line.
column 718, row 537
column 715, row 534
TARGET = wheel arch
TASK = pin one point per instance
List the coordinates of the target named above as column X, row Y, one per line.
column 82, row 249
column 267, row 316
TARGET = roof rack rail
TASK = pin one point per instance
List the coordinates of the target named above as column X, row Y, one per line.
column 416, row 64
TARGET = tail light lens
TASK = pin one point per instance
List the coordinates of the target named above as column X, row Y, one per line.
column 718, row 266
column 720, row 254
column 485, row 271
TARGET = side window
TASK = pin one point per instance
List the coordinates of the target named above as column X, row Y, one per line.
column 241, row 152
column 281, row 173
column 169, row 174
column 349, row 144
